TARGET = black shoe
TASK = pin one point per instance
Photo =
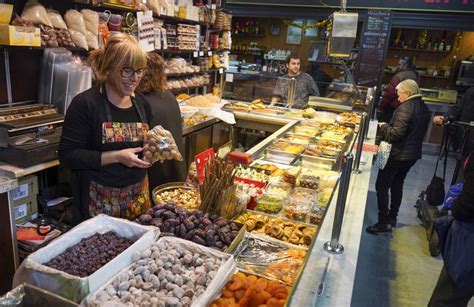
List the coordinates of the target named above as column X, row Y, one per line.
column 393, row 222
column 379, row 227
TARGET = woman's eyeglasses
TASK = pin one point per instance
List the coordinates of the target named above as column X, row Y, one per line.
column 128, row 72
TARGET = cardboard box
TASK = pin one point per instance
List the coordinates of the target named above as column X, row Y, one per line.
column 27, row 187
column 6, row 11
column 20, row 36
column 25, row 210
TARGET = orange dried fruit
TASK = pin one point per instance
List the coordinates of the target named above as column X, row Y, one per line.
column 273, row 302
column 280, row 295
column 239, row 294
column 240, row 275
column 251, row 279
column 227, row 293
column 235, row 285
column 261, row 284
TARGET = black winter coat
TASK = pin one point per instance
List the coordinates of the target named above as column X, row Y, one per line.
column 407, row 129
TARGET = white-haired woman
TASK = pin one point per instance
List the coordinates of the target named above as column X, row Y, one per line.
column 405, row 132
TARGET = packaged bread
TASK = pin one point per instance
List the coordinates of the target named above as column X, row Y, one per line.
column 75, row 21
column 36, row 13
column 160, row 146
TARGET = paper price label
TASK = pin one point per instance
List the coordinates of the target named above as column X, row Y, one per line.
column 221, row 70
column 209, row 53
column 201, row 53
column 229, row 77
column 195, row 54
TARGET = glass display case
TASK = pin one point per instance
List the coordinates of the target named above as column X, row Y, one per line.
column 337, row 89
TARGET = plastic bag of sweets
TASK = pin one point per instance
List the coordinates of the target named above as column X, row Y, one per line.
column 160, row 146
column 36, row 13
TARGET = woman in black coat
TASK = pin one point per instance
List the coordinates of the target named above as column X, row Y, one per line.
column 405, row 132
column 165, row 111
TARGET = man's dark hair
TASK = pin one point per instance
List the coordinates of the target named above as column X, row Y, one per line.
column 292, row 56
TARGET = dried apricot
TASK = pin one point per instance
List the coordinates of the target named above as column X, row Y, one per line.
column 235, row 285
column 280, row 295
column 227, row 293
column 239, row 294
column 261, row 284
column 273, row 302
column 251, row 279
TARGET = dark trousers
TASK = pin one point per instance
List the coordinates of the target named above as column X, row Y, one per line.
column 391, row 178
column 447, row 294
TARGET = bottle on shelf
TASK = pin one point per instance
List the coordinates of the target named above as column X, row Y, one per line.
column 441, row 45
column 428, row 45
column 436, row 44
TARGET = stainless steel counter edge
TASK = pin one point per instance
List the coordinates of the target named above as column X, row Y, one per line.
column 209, row 122
column 341, row 269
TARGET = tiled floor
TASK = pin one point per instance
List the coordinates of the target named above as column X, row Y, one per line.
column 396, row 269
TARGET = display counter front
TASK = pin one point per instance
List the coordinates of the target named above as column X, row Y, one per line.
column 301, row 162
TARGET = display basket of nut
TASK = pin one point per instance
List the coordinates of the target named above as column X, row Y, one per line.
column 83, row 259
column 171, row 271
column 184, row 196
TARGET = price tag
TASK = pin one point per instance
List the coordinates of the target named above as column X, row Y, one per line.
column 201, row 160
column 221, row 70
column 229, row 77
column 264, row 68
column 195, row 54
column 201, row 53
column 209, row 53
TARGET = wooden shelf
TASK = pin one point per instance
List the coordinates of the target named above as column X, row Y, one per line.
column 423, row 76
column 164, row 17
column 419, row 50
column 73, row 49
column 247, row 53
column 191, row 73
column 185, row 89
column 248, row 36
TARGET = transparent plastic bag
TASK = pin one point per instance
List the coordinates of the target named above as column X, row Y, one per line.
column 92, row 40
column 91, row 20
column 160, row 146
column 75, row 21
column 79, row 39
column 270, row 258
column 36, row 13
column 56, row 20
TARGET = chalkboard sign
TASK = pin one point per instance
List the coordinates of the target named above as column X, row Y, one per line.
column 460, row 6
column 373, row 47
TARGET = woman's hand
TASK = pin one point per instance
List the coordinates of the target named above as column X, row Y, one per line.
column 438, row 120
column 129, row 157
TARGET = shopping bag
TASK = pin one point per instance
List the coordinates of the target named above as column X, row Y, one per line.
column 383, row 153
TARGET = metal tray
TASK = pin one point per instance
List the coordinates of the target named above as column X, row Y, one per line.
column 167, row 187
column 324, row 163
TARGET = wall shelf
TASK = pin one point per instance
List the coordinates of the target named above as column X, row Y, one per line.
column 418, row 50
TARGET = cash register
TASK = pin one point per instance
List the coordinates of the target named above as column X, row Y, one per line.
column 29, row 134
